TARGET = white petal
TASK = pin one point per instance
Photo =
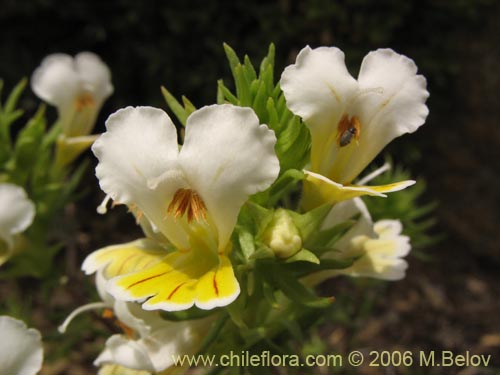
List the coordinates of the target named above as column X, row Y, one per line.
column 55, row 80
column 346, row 210
column 135, row 317
column 140, row 144
column 94, row 75
column 128, row 353
column 227, row 156
column 391, row 230
column 175, row 339
column 16, row 211
column 21, row 351
column 318, row 85
column 318, row 88
column 391, row 103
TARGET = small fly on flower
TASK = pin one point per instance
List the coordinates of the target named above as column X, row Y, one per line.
column 348, row 129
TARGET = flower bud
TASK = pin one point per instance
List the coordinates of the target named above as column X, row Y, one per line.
column 282, row 236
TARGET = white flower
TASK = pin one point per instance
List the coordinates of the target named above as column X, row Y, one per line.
column 351, row 120
column 148, row 343
column 16, row 215
column 76, row 86
column 192, row 196
column 21, row 351
column 377, row 249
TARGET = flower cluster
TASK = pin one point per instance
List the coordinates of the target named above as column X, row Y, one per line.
column 220, row 222
column 245, row 210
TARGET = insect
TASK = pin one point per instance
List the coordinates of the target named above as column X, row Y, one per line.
column 347, row 130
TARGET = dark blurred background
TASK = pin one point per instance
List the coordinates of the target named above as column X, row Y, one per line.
column 456, row 44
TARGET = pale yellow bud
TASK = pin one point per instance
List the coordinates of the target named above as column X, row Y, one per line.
column 282, row 236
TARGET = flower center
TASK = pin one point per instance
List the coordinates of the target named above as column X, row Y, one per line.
column 84, row 100
column 347, row 129
column 187, row 202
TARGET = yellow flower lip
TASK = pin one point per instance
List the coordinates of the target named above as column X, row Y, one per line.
column 187, row 202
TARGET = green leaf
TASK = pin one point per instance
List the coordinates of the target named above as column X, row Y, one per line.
column 28, row 145
column 263, row 252
column 259, row 103
column 273, row 120
column 283, row 184
column 233, row 59
column 326, row 238
column 242, row 87
column 226, row 93
column 268, row 61
column 249, row 69
column 300, row 269
column 311, row 221
column 303, row 255
column 295, row 290
column 246, row 241
column 188, row 106
column 176, row 107
column 255, row 218
column 213, row 333
column 14, row 96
